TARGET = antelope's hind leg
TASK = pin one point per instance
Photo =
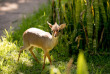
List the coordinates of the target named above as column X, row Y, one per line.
column 21, row 49
column 33, row 54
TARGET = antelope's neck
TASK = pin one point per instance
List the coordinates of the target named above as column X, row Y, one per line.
column 54, row 41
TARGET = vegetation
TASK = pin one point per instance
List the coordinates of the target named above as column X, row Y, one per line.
column 87, row 31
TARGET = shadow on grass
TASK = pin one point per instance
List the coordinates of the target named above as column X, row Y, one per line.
column 34, row 67
column 24, row 69
column 99, row 64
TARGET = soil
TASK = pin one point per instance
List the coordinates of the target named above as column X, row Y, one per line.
column 12, row 11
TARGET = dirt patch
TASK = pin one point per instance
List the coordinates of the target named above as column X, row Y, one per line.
column 12, row 11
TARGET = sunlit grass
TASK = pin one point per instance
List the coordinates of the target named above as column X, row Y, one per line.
column 12, row 41
column 9, row 65
column 8, row 55
column 54, row 70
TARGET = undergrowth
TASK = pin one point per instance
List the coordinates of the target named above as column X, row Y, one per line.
column 11, row 43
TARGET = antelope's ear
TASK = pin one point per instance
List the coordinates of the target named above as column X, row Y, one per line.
column 50, row 25
column 62, row 26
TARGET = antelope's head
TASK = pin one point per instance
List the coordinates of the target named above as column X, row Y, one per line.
column 56, row 28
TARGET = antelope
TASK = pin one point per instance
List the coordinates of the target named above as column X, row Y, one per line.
column 34, row 37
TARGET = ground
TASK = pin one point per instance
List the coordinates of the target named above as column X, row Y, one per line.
column 12, row 11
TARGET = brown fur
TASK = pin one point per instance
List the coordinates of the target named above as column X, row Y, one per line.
column 34, row 37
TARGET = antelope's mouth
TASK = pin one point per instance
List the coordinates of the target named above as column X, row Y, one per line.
column 55, row 36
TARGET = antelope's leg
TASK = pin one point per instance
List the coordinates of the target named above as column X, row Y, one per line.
column 33, row 54
column 49, row 58
column 44, row 60
column 22, row 48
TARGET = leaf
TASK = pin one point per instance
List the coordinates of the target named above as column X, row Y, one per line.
column 81, row 64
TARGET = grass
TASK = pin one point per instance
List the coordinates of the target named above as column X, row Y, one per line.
column 11, row 43
column 99, row 64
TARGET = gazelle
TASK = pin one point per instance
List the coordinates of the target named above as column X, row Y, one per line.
column 34, row 37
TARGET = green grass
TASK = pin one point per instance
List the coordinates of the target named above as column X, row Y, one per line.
column 11, row 43
column 99, row 64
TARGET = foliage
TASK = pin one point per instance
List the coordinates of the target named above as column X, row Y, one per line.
column 81, row 18
column 87, row 24
column 8, row 56
column 12, row 41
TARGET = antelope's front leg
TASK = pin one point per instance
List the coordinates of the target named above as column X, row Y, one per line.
column 44, row 61
column 49, row 58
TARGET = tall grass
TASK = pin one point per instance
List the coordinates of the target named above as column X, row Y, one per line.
column 66, row 48
column 12, row 41
column 88, row 19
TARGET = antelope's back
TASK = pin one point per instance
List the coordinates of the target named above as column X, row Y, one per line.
column 36, row 37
